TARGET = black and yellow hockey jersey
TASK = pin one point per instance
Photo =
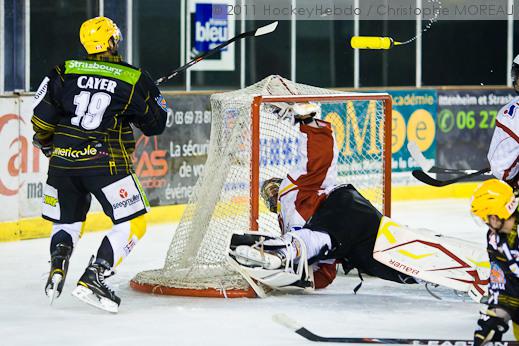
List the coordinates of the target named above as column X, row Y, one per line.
column 84, row 108
column 503, row 253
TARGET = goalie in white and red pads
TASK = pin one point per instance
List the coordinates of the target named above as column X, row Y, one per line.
column 323, row 224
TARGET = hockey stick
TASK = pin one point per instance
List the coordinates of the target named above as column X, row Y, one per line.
column 267, row 29
column 428, row 167
column 427, row 179
column 305, row 333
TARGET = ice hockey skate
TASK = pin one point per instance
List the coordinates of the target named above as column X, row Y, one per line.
column 58, row 271
column 93, row 290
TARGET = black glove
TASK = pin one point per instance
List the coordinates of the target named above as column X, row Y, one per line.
column 46, row 149
column 490, row 328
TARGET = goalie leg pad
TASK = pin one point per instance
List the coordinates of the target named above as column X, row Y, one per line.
column 423, row 254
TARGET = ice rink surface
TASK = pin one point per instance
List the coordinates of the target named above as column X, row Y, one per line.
column 380, row 309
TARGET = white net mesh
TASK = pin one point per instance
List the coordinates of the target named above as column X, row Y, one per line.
column 221, row 200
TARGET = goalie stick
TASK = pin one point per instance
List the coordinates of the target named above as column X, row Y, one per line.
column 428, row 167
column 267, row 29
column 286, row 321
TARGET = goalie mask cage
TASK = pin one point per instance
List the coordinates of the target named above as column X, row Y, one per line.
column 248, row 145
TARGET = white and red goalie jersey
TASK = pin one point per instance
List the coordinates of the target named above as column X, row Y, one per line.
column 307, row 185
column 503, row 153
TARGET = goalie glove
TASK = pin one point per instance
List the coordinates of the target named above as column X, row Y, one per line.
column 297, row 112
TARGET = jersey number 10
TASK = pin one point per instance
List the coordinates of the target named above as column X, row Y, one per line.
column 90, row 110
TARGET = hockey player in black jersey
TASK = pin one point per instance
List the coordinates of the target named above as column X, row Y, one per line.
column 82, row 120
column 495, row 203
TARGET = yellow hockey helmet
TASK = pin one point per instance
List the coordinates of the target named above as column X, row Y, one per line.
column 96, row 33
column 493, row 197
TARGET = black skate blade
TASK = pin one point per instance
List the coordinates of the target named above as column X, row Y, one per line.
column 87, row 296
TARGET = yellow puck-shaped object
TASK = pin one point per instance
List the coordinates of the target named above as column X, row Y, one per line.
column 371, row 42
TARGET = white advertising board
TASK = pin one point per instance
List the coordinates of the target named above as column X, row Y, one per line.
column 33, row 173
column 11, row 160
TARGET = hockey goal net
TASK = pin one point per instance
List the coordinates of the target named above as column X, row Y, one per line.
column 248, row 145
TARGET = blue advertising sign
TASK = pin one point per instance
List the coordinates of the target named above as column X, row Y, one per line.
column 211, row 26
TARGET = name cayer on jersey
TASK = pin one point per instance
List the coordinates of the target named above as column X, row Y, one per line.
column 85, row 107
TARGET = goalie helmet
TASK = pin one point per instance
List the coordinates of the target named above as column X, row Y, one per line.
column 493, row 197
column 515, row 73
column 269, row 193
column 95, row 35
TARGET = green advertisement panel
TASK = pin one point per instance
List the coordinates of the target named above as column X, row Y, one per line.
column 414, row 118
column 359, row 132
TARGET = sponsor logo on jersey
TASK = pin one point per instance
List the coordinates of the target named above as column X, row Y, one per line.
column 42, row 90
column 73, row 153
column 50, row 200
column 94, row 66
column 511, row 110
column 497, row 277
column 127, row 202
column 161, row 101
column 81, row 67
column 123, row 193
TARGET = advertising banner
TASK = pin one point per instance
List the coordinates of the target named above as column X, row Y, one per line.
column 11, row 160
column 466, row 122
column 169, row 165
column 33, row 164
column 414, row 118
column 211, row 25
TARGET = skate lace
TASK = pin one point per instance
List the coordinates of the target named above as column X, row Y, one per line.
column 107, row 285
